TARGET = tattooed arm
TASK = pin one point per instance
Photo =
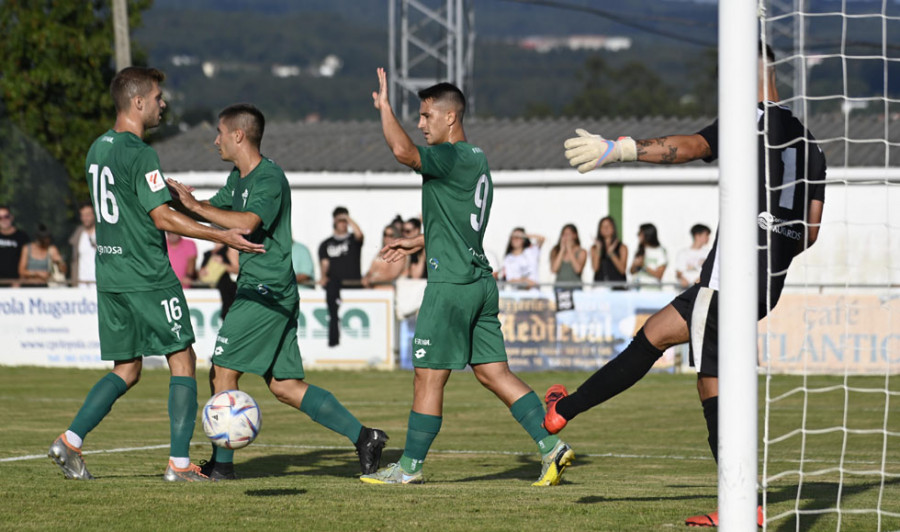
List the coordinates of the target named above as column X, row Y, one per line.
column 673, row 149
column 588, row 151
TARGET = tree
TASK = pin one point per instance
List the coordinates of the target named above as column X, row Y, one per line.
column 55, row 69
column 632, row 90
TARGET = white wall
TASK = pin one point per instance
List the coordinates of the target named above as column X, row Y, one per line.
column 860, row 240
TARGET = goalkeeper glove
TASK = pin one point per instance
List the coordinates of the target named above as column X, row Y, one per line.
column 587, row 151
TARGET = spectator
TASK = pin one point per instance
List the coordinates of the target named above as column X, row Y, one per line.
column 382, row 274
column 84, row 248
column 416, row 268
column 609, row 256
column 689, row 261
column 41, row 262
column 520, row 265
column 12, row 240
column 216, row 269
column 567, row 258
column 182, row 257
column 650, row 260
column 397, row 224
column 304, row 269
column 339, row 261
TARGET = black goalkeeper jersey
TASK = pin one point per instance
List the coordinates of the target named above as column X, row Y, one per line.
column 791, row 174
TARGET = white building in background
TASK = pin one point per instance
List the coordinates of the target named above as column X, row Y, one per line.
column 544, row 43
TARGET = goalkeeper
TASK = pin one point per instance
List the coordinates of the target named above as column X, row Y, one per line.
column 790, row 211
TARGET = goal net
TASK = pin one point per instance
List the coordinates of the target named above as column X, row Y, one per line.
column 830, row 351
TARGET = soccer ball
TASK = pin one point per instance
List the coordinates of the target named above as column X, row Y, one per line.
column 231, row 419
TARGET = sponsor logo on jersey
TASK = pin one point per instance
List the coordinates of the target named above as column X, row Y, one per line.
column 419, row 353
column 244, row 197
column 262, row 289
column 155, row 180
column 768, row 222
column 434, row 263
column 107, row 138
column 109, row 250
column 177, row 330
column 422, row 341
column 477, row 255
column 218, row 350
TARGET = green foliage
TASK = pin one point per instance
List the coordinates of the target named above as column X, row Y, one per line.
column 56, row 69
column 631, row 90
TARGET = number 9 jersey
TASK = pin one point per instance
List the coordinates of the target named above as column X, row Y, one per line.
column 456, row 204
column 126, row 183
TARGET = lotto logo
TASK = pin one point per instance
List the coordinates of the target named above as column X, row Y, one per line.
column 419, row 353
column 218, row 350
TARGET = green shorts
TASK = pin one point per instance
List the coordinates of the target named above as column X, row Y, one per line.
column 135, row 324
column 457, row 325
column 259, row 336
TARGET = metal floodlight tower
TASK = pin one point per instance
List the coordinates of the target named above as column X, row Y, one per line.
column 433, row 41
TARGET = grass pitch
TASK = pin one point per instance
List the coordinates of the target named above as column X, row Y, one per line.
column 642, row 461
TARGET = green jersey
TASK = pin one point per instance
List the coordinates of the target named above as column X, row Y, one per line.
column 456, row 203
column 126, row 183
column 264, row 192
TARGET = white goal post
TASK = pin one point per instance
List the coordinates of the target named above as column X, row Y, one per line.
column 811, row 430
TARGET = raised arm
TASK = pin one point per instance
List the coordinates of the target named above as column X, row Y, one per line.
column 588, row 151
column 401, row 145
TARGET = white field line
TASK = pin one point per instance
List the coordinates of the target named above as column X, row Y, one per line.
column 342, row 448
column 433, row 451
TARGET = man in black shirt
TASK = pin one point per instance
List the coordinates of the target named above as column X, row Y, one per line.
column 791, row 199
column 12, row 240
column 339, row 261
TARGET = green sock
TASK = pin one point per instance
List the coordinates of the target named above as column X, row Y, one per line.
column 326, row 410
column 98, row 403
column 529, row 412
column 420, row 433
column 182, row 414
column 221, row 455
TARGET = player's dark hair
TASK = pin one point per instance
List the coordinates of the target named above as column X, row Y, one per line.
column 525, row 242
column 133, row 81
column 600, row 236
column 447, row 93
column 699, row 229
column 247, row 118
column 651, row 239
column 770, row 54
column 415, row 222
column 338, row 211
column 555, row 249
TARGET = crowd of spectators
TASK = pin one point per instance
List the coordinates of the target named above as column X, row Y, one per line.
column 25, row 262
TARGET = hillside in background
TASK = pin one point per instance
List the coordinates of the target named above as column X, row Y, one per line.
column 315, row 59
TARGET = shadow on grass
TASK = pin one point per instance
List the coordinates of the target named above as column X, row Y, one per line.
column 528, row 468
column 816, row 496
column 322, row 462
column 595, row 499
column 274, row 492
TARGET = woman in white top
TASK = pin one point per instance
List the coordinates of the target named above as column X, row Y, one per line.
column 520, row 266
column 650, row 260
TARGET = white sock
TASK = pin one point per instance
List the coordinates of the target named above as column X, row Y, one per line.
column 180, row 462
column 74, row 439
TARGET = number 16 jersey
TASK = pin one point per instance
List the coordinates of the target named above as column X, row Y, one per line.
column 456, row 204
column 126, row 183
